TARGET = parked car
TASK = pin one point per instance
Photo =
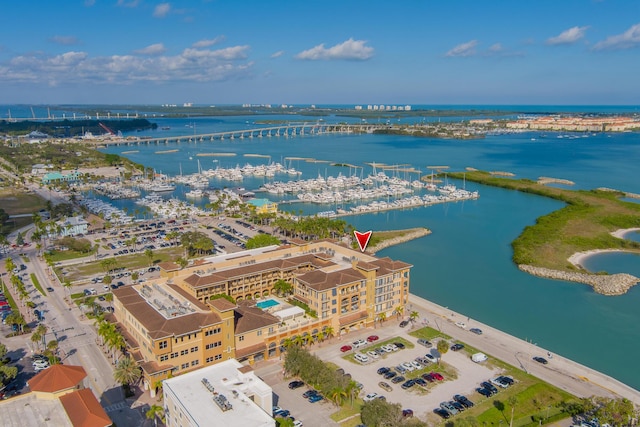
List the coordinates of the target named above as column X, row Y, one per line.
column 282, row 413
column 485, row 392
column 437, row 376
column 459, row 406
column 430, row 358
column 383, row 370
column 404, row 323
column 372, row 354
column 463, row 400
column 398, row 379
column 372, row 338
column 399, row 345
column 358, row 343
column 461, row 325
column 408, row 384
column 407, row 413
column 385, row 386
column 362, row 358
column 476, row 331
column 457, row 347
column 506, row 379
column 390, row 374
column 315, row 398
column 49, row 289
column 408, row 366
column 345, row 348
column 497, row 382
column 421, row 382
column 425, row 343
column 428, row 377
column 370, row 397
column 296, row 384
column 449, row 408
column 540, row 360
column 442, row 413
column 489, row 386
column 307, row 394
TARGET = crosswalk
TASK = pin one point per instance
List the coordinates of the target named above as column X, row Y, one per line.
column 116, row 406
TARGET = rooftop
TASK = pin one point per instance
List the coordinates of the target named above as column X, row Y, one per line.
column 84, row 410
column 29, row 410
column 221, row 392
column 57, row 378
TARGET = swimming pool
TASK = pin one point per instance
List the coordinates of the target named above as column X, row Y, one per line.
column 267, row 303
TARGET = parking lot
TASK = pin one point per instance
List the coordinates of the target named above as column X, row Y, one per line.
column 420, row 399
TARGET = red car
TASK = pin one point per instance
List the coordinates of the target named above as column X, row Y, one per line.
column 437, row 376
column 345, row 348
column 372, row 338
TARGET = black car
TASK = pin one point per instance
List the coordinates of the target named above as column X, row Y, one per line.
column 49, row 289
column 296, row 384
column 489, row 386
column 383, row 371
column 444, row 414
column 307, row 394
column 457, row 347
column 428, row 377
column 463, row 400
column 476, row 331
column 404, row 323
column 483, row 391
column 421, row 382
column 459, row 406
column 540, row 360
column 505, row 380
column 408, row 384
column 398, row 379
column 390, row 374
column 399, row 345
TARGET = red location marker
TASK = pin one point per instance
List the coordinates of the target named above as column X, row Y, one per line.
column 363, row 239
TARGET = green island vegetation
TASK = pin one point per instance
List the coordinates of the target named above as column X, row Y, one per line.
column 585, row 223
column 67, row 156
column 458, row 130
column 72, row 128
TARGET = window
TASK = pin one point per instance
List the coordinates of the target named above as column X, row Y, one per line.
column 241, row 338
column 259, row 333
column 164, row 357
column 218, row 357
column 194, row 349
column 209, row 360
column 163, row 344
column 195, row 362
column 183, row 352
column 184, row 366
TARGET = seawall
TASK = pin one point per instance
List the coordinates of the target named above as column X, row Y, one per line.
column 414, row 233
column 613, row 284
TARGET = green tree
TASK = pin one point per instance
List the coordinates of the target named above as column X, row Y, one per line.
column 380, row 413
column 7, row 374
column 154, row 412
column 442, row 347
column 127, row 371
column 149, row 254
column 19, row 239
column 282, row 287
column 337, row 395
column 261, row 240
column 413, row 316
column 512, row 401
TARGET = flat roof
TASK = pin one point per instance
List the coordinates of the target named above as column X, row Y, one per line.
column 28, row 410
column 225, row 378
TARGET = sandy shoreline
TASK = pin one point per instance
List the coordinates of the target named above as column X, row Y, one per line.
column 579, row 257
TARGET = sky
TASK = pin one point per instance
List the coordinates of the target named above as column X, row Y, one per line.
column 215, row 52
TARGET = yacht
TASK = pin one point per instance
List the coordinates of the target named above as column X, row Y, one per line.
column 194, row 194
column 161, row 187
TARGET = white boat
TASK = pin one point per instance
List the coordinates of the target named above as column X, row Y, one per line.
column 161, row 187
column 194, row 194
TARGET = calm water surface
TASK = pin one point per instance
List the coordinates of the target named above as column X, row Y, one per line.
column 465, row 263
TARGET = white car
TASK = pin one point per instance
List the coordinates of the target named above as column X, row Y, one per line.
column 393, row 347
column 370, row 397
column 362, row 358
column 415, row 364
column 408, row 366
column 40, row 364
column 372, row 354
column 359, row 343
column 297, row 423
column 461, row 325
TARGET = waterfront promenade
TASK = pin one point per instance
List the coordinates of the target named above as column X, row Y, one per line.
column 563, row 373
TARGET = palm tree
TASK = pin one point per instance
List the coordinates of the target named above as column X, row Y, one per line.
column 329, row 332
column 513, row 400
column 42, row 331
column 413, row 316
column 154, row 412
column 126, row 372
column 382, row 317
column 337, row 395
column 399, row 310
column 36, row 338
column 352, row 390
column 149, row 254
column 115, row 341
column 442, row 347
column 67, row 285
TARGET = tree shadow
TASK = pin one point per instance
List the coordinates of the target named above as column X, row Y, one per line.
column 499, row 405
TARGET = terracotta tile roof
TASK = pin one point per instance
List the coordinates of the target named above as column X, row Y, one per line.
column 84, row 410
column 222, row 276
column 245, row 369
column 249, row 318
column 169, row 266
column 367, row 266
column 159, row 326
column 321, row 281
column 222, row 304
column 390, row 264
column 57, row 378
column 257, row 348
column 152, row 367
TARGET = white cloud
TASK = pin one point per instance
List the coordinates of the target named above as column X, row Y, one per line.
column 64, row 40
column 199, row 65
column 162, row 10
column 350, row 49
column 154, row 49
column 569, row 36
column 626, row 40
column 464, row 49
column 89, row 3
column 277, row 54
column 496, row 48
column 208, row 42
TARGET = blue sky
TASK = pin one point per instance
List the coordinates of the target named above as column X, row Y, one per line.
column 318, row 52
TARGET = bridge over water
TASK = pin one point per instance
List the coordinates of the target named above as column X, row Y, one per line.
column 266, row 132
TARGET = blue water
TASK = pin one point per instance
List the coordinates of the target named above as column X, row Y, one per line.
column 267, row 303
column 465, row 264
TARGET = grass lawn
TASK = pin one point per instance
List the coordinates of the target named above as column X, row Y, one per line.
column 36, row 283
column 135, row 261
column 55, row 256
column 15, row 202
column 347, row 411
column 10, row 300
column 428, row 333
